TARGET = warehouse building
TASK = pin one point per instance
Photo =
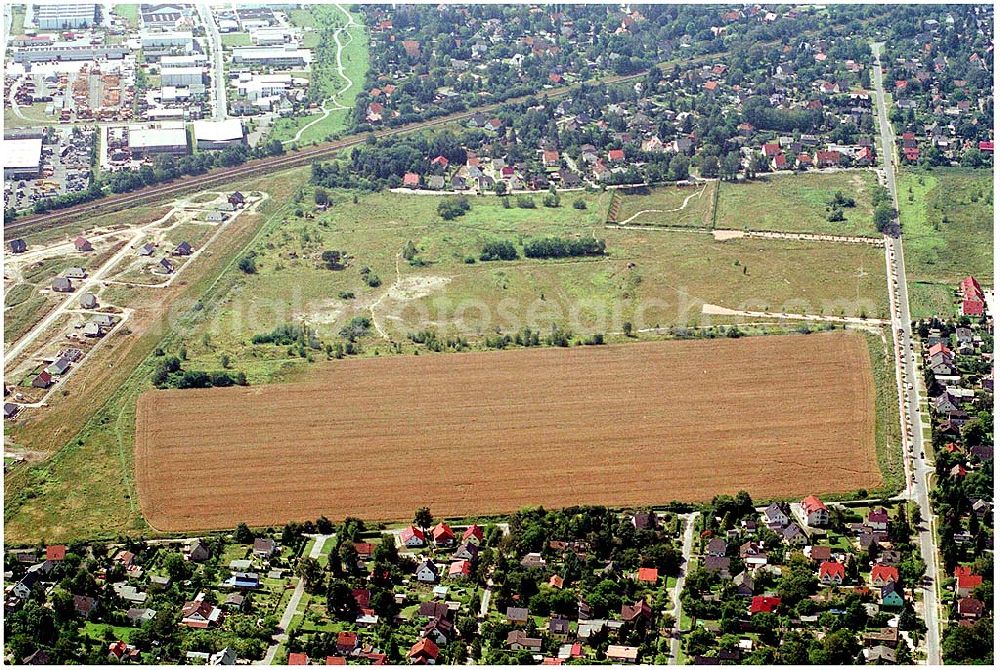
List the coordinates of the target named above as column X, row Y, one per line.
column 155, row 45
column 267, row 37
column 187, row 60
column 219, row 134
column 64, row 16
column 289, row 56
column 22, row 158
column 167, row 138
column 253, row 87
column 67, row 52
column 181, row 76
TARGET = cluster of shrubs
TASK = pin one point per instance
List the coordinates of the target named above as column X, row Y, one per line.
column 289, row 333
column 452, row 208
column 548, row 247
column 169, row 374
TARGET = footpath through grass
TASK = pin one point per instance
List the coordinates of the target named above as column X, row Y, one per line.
column 325, row 80
column 947, row 218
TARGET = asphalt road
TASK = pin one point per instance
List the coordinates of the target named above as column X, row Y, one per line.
column 920, row 468
column 218, row 71
column 688, row 545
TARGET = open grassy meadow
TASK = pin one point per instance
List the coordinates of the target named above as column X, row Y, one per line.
column 668, row 205
column 648, row 278
column 798, row 203
column 947, row 218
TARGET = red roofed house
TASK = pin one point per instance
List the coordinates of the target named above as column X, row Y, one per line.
column 814, row 511
column 764, row 604
column 779, row 162
column 973, row 298
column 970, row 608
column 442, row 534
column 804, row 160
column 616, row 155
column 347, row 641
column 474, row 533
column 296, row 658
column 55, row 552
column 770, row 149
column 374, row 112
column 82, row 244
column 550, row 158
column 412, row 537
column 883, row 574
column 711, row 85
column 200, row 613
column 939, row 348
column 424, row 652
column 460, row 569
column 440, row 160
column 336, row 660
column 831, row 572
column 986, row 145
column 649, row 575
column 965, row 581
column 911, row 154
column 411, row 180
column 412, row 48
column 828, row 158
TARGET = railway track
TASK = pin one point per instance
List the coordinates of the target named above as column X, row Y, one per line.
column 257, row 167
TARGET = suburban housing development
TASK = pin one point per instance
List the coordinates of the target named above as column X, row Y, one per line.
column 498, row 334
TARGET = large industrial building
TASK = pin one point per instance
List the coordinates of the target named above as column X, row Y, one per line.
column 167, row 138
column 290, row 56
column 22, row 158
column 182, row 76
column 166, row 43
column 63, row 16
column 219, row 134
column 67, row 52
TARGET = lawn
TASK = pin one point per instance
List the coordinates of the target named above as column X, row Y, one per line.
column 325, row 75
column 128, row 12
column 798, row 203
column 668, row 206
column 33, row 114
column 230, row 40
column 947, row 218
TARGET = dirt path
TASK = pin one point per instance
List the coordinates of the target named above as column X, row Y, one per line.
column 332, row 100
column 716, row 310
column 388, row 291
column 666, row 211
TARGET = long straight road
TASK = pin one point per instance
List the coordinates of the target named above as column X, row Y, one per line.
column 218, row 70
column 913, row 450
column 688, row 545
column 293, row 603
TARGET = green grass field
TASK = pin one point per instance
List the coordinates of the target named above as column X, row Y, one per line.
column 798, row 203
column 650, row 278
column 128, row 12
column 230, row 40
column 668, row 206
column 947, row 218
column 326, row 76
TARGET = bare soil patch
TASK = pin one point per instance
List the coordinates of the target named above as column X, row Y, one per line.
column 490, row 432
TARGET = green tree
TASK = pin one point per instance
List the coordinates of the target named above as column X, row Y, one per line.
column 243, row 534
column 423, row 519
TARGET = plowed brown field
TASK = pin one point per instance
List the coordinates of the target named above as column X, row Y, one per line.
column 492, row 432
